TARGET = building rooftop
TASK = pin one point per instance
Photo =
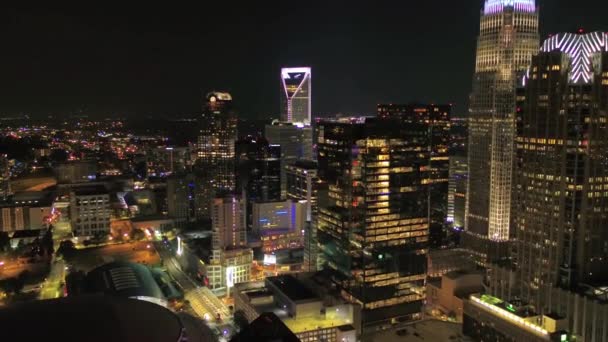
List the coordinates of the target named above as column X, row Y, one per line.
column 124, row 279
column 267, row 327
column 291, row 287
column 90, row 190
column 306, row 164
column 301, row 324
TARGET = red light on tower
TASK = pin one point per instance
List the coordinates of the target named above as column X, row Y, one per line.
column 581, row 30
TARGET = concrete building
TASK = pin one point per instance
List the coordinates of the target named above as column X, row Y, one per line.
column 230, row 260
column 26, row 211
column 446, row 295
column 488, row 318
column 90, row 210
column 295, row 299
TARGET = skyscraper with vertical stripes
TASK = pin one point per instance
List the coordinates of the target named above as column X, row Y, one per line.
column 507, row 40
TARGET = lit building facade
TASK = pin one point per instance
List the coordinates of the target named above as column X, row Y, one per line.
column 296, row 95
column 437, row 120
column 165, row 161
column 215, row 150
column 508, row 38
column 90, row 211
column 459, row 173
column 280, row 225
column 304, row 308
column 295, row 142
column 303, row 183
column 560, row 260
column 561, row 181
column 230, row 259
column 373, row 223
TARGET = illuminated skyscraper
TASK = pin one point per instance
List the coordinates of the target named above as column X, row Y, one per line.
column 562, row 172
column 561, row 180
column 459, row 172
column 373, row 224
column 215, row 151
column 508, row 38
column 295, row 95
column 437, row 120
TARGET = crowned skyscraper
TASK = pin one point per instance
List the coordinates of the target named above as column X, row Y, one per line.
column 560, row 203
column 295, row 95
column 215, row 151
column 508, row 38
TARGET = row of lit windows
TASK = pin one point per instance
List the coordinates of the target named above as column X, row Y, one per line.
column 394, row 301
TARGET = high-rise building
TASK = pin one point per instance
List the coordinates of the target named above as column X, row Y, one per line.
column 562, row 176
column 230, row 259
column 181, row 197
column 5, row 177
column 303, row 183
column 295, row 142
column 373, row 224
column 507, row 40
column 258, row 169
column 296, row 95
column 215, row 150
column 164, row 161
column 459, row 173
column 560, row 259
column 437, row 120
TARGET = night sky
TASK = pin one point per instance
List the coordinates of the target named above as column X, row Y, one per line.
column 157, row 59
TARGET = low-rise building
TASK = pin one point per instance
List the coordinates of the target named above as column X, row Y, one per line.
column 309, row 312
column 487, row 318
column 90, row 210
column 25, row 211
column 445, row 295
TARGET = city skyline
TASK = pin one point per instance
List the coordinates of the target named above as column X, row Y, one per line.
column 152, row 61
column 269, row 214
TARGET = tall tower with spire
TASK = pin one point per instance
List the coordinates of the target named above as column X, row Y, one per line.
column 507, row 41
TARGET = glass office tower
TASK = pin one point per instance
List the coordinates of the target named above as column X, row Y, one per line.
column 373, row 220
